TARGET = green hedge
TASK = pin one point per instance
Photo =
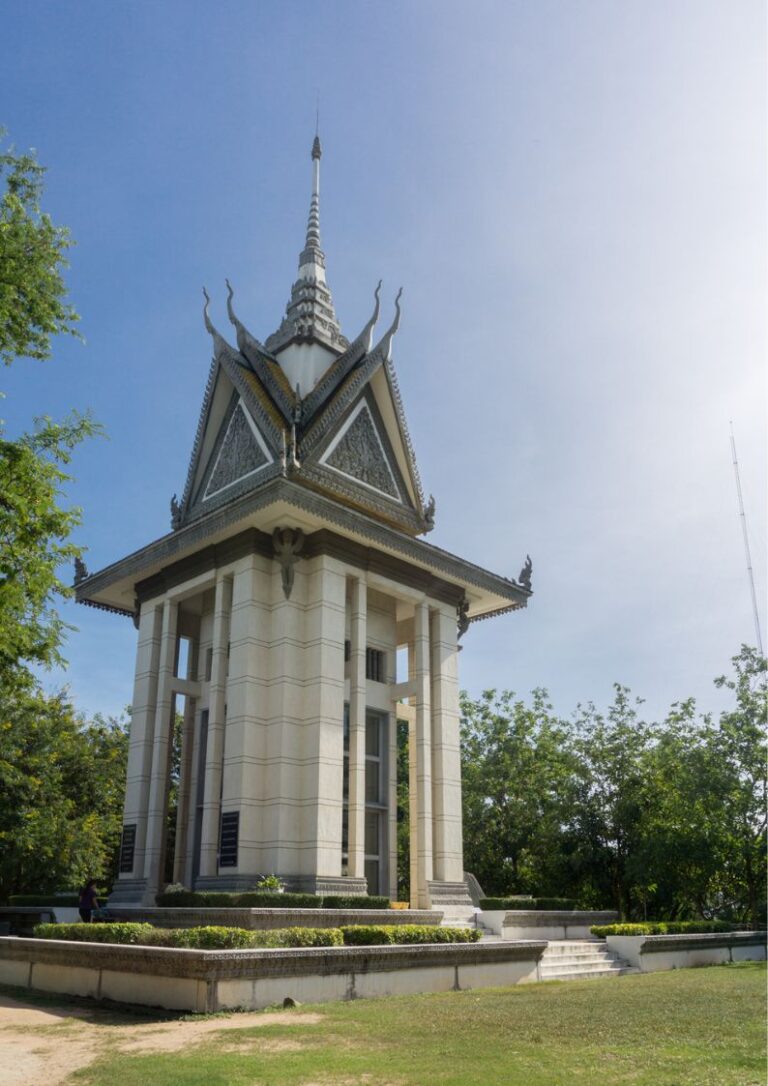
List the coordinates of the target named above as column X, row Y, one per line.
column 390, row 934
column 211, row 899
column 205, row 938
column 664, row 927
column 350, row 901
column 256, row 899
column 546, row 904
column 96, row 933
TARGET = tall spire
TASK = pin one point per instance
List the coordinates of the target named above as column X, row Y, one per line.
column 309, row 315
column 312, row 252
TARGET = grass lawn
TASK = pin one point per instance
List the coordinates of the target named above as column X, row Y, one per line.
column 694, row 1026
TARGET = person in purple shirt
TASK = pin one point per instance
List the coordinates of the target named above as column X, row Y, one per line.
column 88, row 901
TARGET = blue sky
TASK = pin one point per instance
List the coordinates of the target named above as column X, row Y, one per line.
column 573, row 196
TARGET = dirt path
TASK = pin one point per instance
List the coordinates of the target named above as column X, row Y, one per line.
column 41, row 1043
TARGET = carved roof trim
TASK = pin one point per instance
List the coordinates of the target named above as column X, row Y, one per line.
column 196, row 532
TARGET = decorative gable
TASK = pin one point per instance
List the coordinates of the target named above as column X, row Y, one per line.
column 359, row 452
column 241, row 453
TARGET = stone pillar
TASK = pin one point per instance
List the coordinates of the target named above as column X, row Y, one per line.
column 157, row 807
column 423, row 758
column 180, row 868
column 446, row 758
column 392, row 802
column 140, row 743
column 244, row 769
column 323, row 711
column 209, row 842
column 357, row 705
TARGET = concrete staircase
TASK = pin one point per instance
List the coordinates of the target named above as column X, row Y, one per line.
column 586, row 959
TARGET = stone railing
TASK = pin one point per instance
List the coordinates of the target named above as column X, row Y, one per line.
column 540, row 924
column 651, row 953
column 210, row 980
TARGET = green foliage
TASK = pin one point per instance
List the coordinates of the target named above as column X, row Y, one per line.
column 360, row 901
column 32, row 291
column 541, row 903
column 256, row 899
column 663, row 927
column 616, row 812
column 304, row 937
column 61, row 779
column 391, row 934
column 203, row 938
column 517, row 772
column 34, row 540
column 96, row 933
column 270, row 884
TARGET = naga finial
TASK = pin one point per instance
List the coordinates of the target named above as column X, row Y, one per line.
column 206, row 318
column 524, row 577
column 429, row 513
column 230, row 311
column 81, row 571
column 175, row 513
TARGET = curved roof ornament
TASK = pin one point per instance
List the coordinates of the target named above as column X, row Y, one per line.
column 384, row 346
column 368, row 330
column 219, row 343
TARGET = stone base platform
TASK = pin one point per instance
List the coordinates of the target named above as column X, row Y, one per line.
column 206, row 981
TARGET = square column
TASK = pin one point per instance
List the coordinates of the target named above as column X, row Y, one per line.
column 357, row 705
column 244, row 769
column 157, row 808
column 209, row 841
column 180, row 867
column 446, row 756
column 423, row 758
column 144, row 704
column 323, row 740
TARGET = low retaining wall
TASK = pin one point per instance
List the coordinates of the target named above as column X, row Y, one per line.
column 210, row 980
column 652, row 953
column 268, row 919
column 541, row 924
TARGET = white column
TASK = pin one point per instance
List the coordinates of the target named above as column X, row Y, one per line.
column 185, row 792
column 209, row 842
column 243, row 773
column 392, row 802
column 323, row 740
column 446, row 757
column 423, row 755
column 357, row 703
column 158, row 787
column 143, row 708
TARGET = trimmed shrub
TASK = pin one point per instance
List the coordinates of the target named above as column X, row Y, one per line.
column 664, row 927
column 533, row 904
column 303, row 937
column 391, row 934
column 96, row 933
column 256, row 899
column 350, row 901
column 206, row 938
column 252, row 899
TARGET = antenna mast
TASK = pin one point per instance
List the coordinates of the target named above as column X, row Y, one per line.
column 743, row 517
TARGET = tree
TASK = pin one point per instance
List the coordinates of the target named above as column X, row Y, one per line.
column 32, row 259
column 61, row 779
column 60, row 776
column 517, row 774
column 34, row 528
